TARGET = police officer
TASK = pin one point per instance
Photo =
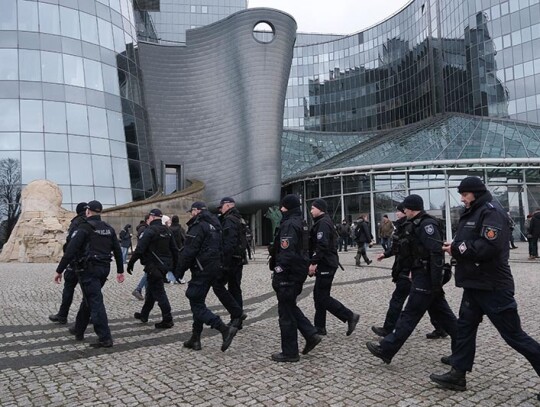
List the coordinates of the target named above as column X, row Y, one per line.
column 234, row 254
column 481, row 251
column 70, row 277
column 158, row 253
column 424, row 242
column 400, row 276
column 202, row 255
column 91, row 246
column 324, row 262
column 290, row 271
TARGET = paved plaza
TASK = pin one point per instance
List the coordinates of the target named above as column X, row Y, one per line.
column 42, row 365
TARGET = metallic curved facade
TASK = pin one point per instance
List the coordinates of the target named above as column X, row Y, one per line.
column 216, row 105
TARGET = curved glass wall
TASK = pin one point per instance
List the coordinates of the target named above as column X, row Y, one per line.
column 466, row 56
column 71, row 108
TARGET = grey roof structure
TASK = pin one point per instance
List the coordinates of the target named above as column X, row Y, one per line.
column 443, row 138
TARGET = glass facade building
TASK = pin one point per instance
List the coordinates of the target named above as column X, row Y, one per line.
column 438, row 91
column 71, row 107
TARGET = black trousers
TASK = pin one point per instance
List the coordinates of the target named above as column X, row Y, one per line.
column 291, row 318
column 420, row 300
column 155, row 292
column 233, row 278
column 196, row 294
column 324, row 301
column 225, row 296
column 501, row 309
column 92, row 280
column 70, row 282
column 399, row 296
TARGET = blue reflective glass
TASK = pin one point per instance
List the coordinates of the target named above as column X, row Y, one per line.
column 73, row 70
column 54, row 117
column 49, row 18
column 9, row 114
column 52, row 67
column 28, row 16
column 69, row 23
column 31, row 115
column 89, row 28
column 8, row 16
column 9, row 67
column 29, row 65
column 57, row 167
column 77, row 119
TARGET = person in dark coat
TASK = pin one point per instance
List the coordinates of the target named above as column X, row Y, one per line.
column 179, row 235
column 70, row 277
column 363, row 237
column 534, row 233
column 202, row 255
column 90, row 247
column 290, row 269
column 324, row 262
column 424, row 237
column 158, row 252
column 481, row 251
column 125, row 241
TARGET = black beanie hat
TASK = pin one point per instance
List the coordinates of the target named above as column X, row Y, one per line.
column 290, row 201
column 81, row 208
column 471, row 184
column 413, row 202
column 400, row 207
column 320, row 204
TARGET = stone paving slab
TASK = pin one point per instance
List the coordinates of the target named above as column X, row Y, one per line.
column 42, row 365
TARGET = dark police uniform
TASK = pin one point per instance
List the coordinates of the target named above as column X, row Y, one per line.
column 323, row 253
column 400, row 276
column 425, row 244
column 91, row 246
column 233, row 256
column 290, row 273
column 158, row 253
column 202, row 255
column 70, row 276
column 481, row 251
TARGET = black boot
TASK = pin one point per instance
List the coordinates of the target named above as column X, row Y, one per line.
column 237, row 322
column 311, row 342
column 58, row 319
column 379, row 331
column 164, row 325
column 228, row 333
column 194, row 342
column 437, row 334
column 351, row 323
column 453, row 380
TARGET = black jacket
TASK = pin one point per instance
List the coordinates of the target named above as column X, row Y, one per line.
column 93, row 241
column 362, row 234
column 179, row 234
column 156, row 247
column 291, row 255
column 534, row 225
column 403, row 261
column 73, row 226
column 481, row 247
column 322, row 242
column 202, row 248
column 231, row 224
column 125, row 237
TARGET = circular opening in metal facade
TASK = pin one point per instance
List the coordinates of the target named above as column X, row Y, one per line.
column 264, row 32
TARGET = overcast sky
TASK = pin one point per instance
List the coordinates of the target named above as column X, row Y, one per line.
column 334, row 16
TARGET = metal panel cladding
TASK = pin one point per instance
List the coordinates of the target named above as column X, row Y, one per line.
column 216, row 104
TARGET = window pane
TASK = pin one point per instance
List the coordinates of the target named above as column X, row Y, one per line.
column 69, row 21
column 89, row 28
column 118, row 149
column 116, row 126
column 9, row 69
column 110, row 79
column 77, row 119
column 73, row 70
column 49, row 18
column 92, row 74
column 9, row 114
column 51, row 67
column 33, row 166
column 119, row 42
column 97, row 119
column 32, row 141
column 81, row 175
column 31, row 115
column 115, row 4
column 100, row 146
column 102, row 171
column 105, row 34
column 8, row 16
column 54, row 115
column 9, row 141
column 78, row 144
column 29, row 65
column 28, row 16
column 56, row 142
column 57, row 167
column 121, row 173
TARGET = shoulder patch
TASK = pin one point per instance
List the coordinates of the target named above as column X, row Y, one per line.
column 490, row 233
column 430, row 229
column 73, row 234
column 462, row 247
column 284, row 243
column 320, row 235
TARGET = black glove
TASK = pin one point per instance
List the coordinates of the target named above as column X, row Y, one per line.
column 130, row 267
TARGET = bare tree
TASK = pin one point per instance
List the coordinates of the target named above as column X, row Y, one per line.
column 10, row 195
